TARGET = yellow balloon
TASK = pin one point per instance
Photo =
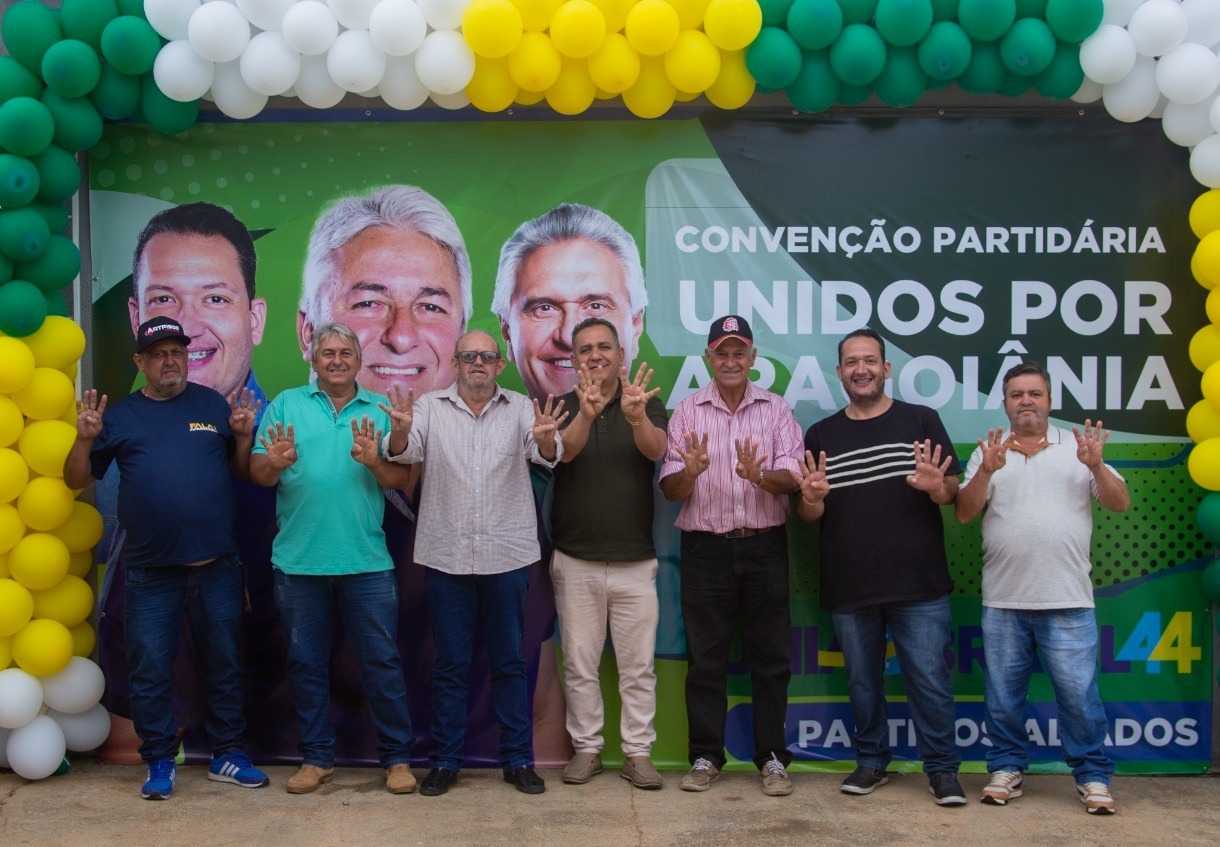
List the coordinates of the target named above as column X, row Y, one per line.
column 82, row 530
column 653, row 94
column 42, row 647
column 1198, row 275
column 603, row 94
column 1211, row 384
column 732, row 24
column 573, row 92
column 1206, row 260
column 12, row 528
column 492, row 28
column 16, row 606
column 84, row 639
column 4, row 571
column 528, row 98
column 69, row 601
column 1205, row 213
column 690, row 12
column 652, row 27
column 16, row 365
column 47, row 395
column 491, row 89
column 11, row 422
column 45, row 445
column 615, row 12
column 79, row 564
column 45, row 503
column 38, row 561
column 681, row 96
column 6, row 652
column 1212, row 306
column 734, row 86
column 58, row 343
column 1203, row 421
column 578, row 29
column 536, row 14
column 693, row 63
column 14, row 474
column 1205, row 347
column 615, row 66
column 1204, row 464
column 534, row 64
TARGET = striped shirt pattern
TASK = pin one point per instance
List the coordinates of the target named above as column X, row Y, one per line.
column 870, row 464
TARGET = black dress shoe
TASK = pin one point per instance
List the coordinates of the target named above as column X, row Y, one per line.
column 437, row 782
column 524, row 779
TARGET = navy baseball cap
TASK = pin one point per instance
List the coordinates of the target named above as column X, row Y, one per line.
column 730, row 326
column 159, row 329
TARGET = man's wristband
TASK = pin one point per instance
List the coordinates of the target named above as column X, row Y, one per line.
column 633, row 423
column 760, row 478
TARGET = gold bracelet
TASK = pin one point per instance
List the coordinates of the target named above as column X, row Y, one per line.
column 807, row 503
column 633, row 423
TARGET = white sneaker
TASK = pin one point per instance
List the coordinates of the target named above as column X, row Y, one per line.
column 1096, row 798
column 1004, row 786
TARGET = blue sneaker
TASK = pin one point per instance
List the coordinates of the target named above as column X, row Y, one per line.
column 160, row 782
column 236, row 767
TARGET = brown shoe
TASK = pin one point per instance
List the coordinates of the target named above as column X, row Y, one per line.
column 399, row 779
column 582, row 768
column 641, row 773
column 308, row 778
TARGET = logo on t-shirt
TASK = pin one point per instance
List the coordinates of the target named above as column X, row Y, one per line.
column 203, row 427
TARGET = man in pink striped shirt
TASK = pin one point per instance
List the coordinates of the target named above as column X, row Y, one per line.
column 732, row 461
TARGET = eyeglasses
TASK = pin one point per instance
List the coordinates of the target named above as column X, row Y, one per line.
column 487, row 356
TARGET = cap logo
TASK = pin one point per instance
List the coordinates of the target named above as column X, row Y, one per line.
column 158, row 327
column 730, row 325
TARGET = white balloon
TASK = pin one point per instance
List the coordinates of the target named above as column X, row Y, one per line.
column 353, row 14
column 355, row 63
column 85, row 731
column 1204, row 21
column 267, row 15
column 170, row 17
column 36, row 750
column 310, row 27
column 1157, row 27
column 1135, row 96
column 269, row 66
column 455, row 101
column 372, row 94
column 444, row 62
column 1088, row 92
column 181, row 73
column 219, row 32
column 75, row 689
column 1159, row 109
column 1107, row 55
column 20, row 698
column 1214, row 114
column 1119, row 12
column 1189, row 73
column 397, row 26
column 231, row 94
column 314, row 86
column 444, row 14
column 1205, row 161
column 1186, row 126
column 400, row 87
column 4, row 734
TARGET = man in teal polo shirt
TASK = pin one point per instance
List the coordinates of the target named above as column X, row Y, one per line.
column 320, row 452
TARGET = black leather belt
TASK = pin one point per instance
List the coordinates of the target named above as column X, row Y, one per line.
column 742, row 532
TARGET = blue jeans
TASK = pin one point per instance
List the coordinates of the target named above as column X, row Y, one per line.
column 1066, row 639
column 457, row 604
column 922, row 634
column 211, row 596
column 368, row 606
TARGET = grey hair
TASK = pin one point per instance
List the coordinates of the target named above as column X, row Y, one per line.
column 568, row 222
column 396, row 207
column 457, row 344
column 333, row 329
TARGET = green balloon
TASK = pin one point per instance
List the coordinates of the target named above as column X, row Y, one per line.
column 16, row 81
column 986, row 20
column 773, row 59
column 169, row 116
column 903, row 22
column 1074, row 20
column 774, row 12
column 945, row 51
column 23, row 308
column 78, row 126
column 58, row 174
column 1014, row 85
column 858, row 54
column 117, row 95
column 1211, row 580
column 1028, row 47
column 135, row 8
column 71, row 68
column 1063, row 76
column 857, row 11
column 6, row 268
column 56, row 306
column 944, row 10
column 1208, row 517
column 28, row 29
column 986, row 72
column 84, row 20
column 55, row 215
column 854, row 95
column 902, row 82
column 23, row 234
column 18, row 180
column 26, row 126
column 814, row 24
column 56, row 267
column 816, row 87
column 131, row 45
column 1031, row 8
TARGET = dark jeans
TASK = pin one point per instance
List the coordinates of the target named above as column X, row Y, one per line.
column 368, row 607
column 722, row 577
column 211, row 596
column 457, row 605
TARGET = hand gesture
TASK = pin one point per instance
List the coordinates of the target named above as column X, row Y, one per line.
column 243, row 411
column 589, row 394
column 636, row 394
column 547, row 420
column 695, row 454
column 365, row 439
column 814, row 486
column 749, row 463
column 1089, row 445
column 929, row 473
column 89, row 412
column 401, row 409
column 280, row 446
column 995, row 450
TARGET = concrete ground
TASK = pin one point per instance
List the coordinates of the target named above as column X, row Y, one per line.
column 98, row 805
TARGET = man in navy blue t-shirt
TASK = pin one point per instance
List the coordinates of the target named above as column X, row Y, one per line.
column 175, row 443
